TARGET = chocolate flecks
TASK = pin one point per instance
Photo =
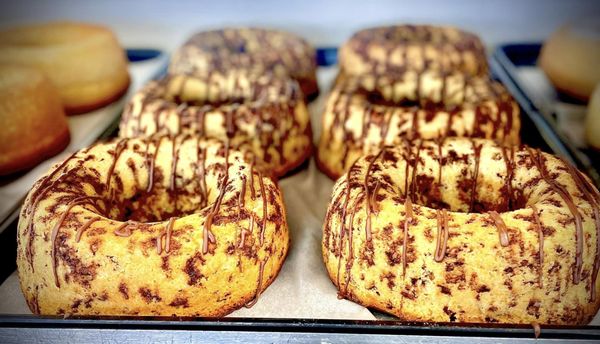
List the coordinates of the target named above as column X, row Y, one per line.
column 148, row 296
column 180, row 302
column 124, row 290
column 192, row 270
column 445, row 290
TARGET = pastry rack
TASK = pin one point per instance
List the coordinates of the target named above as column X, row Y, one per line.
column 23, row 328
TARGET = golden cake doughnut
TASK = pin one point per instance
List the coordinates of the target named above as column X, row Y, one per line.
column 397, row 48
column 466, row 230
column 85, row 62
column 253, row 49
column 266, row 113
column 34, row 126
column 365, row 112
column 571, row 58
column 157, row 226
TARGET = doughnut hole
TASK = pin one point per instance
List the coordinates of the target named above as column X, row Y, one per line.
column 129, row 196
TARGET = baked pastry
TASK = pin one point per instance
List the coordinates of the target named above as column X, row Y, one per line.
column 85, row 62
column 570, row 58
column 265, row 112
column 365, row 112
column 34, row 126
column 466, row 230
column 158, row 226
column 592, row 120
column 389, row 49
column 251, row 49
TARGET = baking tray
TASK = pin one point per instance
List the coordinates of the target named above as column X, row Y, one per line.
column 515, row 65
column 29, row 328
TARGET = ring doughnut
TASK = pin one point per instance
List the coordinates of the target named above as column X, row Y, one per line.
column 389, row 49
column 85, row 62
column 466, row 230
column 365, row 112
column 251, row 49
column 156, row 226
column 265, row 113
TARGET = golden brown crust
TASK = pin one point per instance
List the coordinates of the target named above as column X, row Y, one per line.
column 252, row 49
column 389, row 49
column 34, row 126
column 497, row 234
column 85, row 62
column 363, row 113
column 158, row 226
column 266, row 114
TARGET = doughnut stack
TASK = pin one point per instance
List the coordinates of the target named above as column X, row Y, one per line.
column 411, row 82
column 438, row 214
column 181, row 215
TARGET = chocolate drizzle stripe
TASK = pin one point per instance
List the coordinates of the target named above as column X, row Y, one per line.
column 56, row 228
column 152, row 164
column 559, row 189
column 264, row 208
column 168, row 234
column 413, row 178
column 119, row 148
column 477, row 150
column 591, row 195
column 538, row 226
column 84, row 227
column 207, row 234
column 350, row 261
column 501, row 227
column 259, row 284
column 343, row 228
column 408, row 218
column 368, row 204
column 509, row 173
column 123, row 230
column 442, row 235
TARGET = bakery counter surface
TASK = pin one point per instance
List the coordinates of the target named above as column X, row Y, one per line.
column 300, row 306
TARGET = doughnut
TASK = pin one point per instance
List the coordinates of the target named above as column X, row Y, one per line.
column 85, row 62
column 266, row 113
column 365, row 112
column 253, row 49
column 168, row 226
column 34, row 126
column 570, row 58
column 466, row 230
column 390, row 49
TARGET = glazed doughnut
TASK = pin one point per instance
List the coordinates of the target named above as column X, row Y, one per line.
column 570, row 58
column 85, row 62
column 466, row 230
column 157, row 226
column 365, row 112
column 390, row 49
column 34, row 126
column 267, row 113
column 251, row 49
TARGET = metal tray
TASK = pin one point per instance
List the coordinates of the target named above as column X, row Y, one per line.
column 22, row 328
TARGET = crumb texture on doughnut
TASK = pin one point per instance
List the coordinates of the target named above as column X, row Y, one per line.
column 366, row 112
column 159, row 226
column 34, row 126
column 85, row 62
column 266, row 114
column 466, row 230
column 251, row 49
column 388, row 49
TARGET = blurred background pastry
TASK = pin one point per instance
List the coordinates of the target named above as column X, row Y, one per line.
column 85, row 62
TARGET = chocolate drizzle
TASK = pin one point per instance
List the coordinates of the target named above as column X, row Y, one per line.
column 538, row 160
column 207, row 234
column 538, row 226
column 509, row 159
column 501, row 227
column 85, row 226
column 259, row 284
column 408, row 218
column 368, row 207
column 264, row 208
column 123, row 230
column 591, row 195
column 150, row 163
column 477, row 151
column 442, row 235
column 343, row 228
